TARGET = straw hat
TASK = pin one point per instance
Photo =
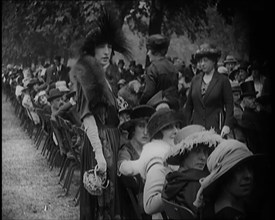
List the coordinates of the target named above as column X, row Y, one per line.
column 192, row 136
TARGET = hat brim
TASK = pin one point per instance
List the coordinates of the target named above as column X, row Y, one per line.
column 213, row 186
column 128, row 124
column 54, row 97
column 70, row 94
column 248, row 94
column 178, row 120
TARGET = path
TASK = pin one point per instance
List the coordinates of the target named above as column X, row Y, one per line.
column 29, row 188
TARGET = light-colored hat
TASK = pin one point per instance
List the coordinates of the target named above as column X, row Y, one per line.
column 43, row 92
column 222, row 70
column 230, row 59
column 189, row 137
column 61, row 85
column 227, row 155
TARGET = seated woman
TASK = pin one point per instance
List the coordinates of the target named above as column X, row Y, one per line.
column 131, row 150
column 227, row 192
column 190, row 154
column 162, row 129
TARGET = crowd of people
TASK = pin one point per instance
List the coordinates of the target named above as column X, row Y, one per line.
column 186, row 141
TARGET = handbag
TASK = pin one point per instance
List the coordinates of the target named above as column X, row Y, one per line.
column 95, row 182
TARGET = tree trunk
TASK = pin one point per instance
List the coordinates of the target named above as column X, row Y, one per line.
column 156, row 17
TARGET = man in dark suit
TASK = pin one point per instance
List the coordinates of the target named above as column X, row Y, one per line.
column 249, row 122
column 58, row 72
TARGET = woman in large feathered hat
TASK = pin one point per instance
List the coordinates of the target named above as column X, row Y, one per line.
column 98, row 109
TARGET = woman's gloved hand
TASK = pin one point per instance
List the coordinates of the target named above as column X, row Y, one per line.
column 225, row 131
column 101, row 162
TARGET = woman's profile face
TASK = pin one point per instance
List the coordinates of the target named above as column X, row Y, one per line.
column 206, row 64
column 242, row 181
column 169, row 133
column 103, row 53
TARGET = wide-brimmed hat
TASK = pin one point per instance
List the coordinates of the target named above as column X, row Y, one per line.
column 160, row 119
column 54, row 93
column 207, row 50
column 230, row 59
column 138, row 113
column 157, row 99
column 157, row 42
column 192, row 136
column 248, row 89
column 228, row 155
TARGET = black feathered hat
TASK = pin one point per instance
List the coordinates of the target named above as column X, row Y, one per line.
column 107, row 29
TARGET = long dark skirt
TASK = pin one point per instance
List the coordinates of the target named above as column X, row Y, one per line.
column 106, row 206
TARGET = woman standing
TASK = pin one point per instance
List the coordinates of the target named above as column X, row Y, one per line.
column 98, row 111
column 210, row 101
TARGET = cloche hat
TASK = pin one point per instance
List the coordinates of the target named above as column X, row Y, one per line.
column 139, row 112
column 160, row 119
column 228, row 155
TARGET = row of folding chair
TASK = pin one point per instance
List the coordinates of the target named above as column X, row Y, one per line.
column 42, row 135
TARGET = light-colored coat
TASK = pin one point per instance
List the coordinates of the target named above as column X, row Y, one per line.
column 152, row 167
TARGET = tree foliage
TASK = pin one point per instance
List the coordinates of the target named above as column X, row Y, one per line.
column 42, row 28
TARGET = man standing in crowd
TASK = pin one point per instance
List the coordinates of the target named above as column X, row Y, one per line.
column 161, row 74
column 249, row 122
column 58, row 72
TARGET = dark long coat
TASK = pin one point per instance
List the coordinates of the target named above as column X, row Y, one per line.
column 161, row 75
column 94, row 97
column 215, row 109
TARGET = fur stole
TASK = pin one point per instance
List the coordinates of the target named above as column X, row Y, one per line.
column 90, row 75
column 156, row 148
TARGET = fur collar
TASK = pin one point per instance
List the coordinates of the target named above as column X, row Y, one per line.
column 89, row 73
column 156, row 148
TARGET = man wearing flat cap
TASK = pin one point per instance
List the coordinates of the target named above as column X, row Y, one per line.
column 161, row 74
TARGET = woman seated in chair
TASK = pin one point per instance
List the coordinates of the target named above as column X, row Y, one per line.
column 231, row 190
column 131, row 150
column 162, row 129
column 194, row 144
